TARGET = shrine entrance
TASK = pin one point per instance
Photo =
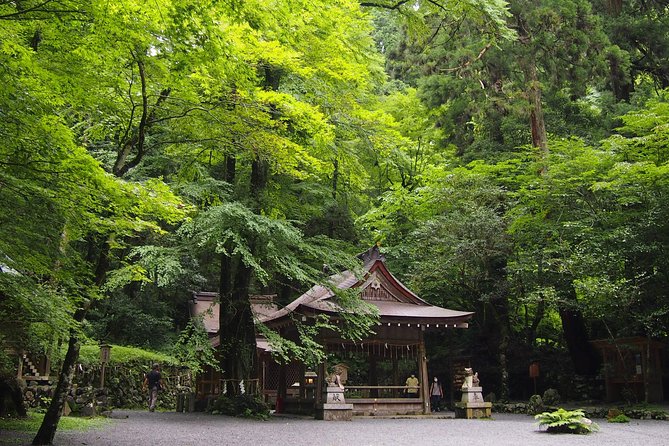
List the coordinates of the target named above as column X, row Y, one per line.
column 376, row 376
column 376, row 367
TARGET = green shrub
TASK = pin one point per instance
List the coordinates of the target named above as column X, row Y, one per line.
column 535, row 405
column 622, row 418
column 566, row 421
column 90, row 354
column 551, row 397
column 646, row 412
column 628, row 395
column 247, row 406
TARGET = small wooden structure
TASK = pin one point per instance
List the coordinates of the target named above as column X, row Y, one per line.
column 632, row 365
column 404, row 318
column 33, row 367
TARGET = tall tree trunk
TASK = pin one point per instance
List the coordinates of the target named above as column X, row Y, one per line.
column 500, row 307
column 531, row 330
column 237, row 329
column 49, row 425
column 236, row 326
column 533, row 91
column 335, row 178
column 51, row 419
column 504, row 339
column 230, row 169
column 573, row 325
column 226, row 311
column 620, row 83
column 499, row 304
column 582, row 353
column 259, row 177
column 537, row 123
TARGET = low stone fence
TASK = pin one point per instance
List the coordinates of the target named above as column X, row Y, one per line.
column 122, row 389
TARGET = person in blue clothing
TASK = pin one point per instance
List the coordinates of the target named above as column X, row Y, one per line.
column 153, row 381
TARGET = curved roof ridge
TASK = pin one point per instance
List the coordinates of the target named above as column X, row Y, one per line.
column 317, row 298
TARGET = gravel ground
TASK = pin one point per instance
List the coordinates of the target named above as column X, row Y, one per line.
column 169, row 428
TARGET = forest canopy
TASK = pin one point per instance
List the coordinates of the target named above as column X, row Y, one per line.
column 511, row 158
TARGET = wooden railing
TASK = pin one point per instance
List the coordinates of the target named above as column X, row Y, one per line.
column 353, row 392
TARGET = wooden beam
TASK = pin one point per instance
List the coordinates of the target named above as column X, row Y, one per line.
column 422, row 358
column 320, row 384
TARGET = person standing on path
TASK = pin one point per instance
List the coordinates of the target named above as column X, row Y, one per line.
column 436, row 394
column 153, row 381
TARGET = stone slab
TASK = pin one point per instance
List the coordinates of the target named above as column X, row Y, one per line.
column 328, row 406
column 475, row 404
column 473, row 410
column 335, row 412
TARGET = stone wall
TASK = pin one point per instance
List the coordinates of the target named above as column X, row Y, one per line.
column 122, row 389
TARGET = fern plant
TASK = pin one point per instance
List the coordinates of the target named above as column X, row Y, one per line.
column 566, row 421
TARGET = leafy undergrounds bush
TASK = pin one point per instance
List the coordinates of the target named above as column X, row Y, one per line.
column 246, row 405
column 551, row 397
column 643, row 412
column 535, row 405
column 638, row 412
column 566, row 421
column 622, row 418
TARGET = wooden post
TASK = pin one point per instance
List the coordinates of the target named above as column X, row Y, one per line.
column 47, row 364
column 320, row 383
column 105, row 352
column 264, row 378
column 281, row 389
column 645, row 363
column 424, row 389
column 534, row 374
column 396, row 376
column 102, row 376
column 19, row 369
column 373, row 376
column 302, row 381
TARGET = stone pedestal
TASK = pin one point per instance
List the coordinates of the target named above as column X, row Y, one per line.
column 335, row 407
column 472, row 405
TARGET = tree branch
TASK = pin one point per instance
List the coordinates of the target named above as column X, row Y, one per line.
column 383, row 5
column 38, row 8
column 470, row 61
column 136, row 141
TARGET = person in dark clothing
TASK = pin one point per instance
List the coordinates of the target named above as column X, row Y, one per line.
column 436, row 394
column 153, row 381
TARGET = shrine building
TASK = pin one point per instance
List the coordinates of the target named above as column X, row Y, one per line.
column 374, row 369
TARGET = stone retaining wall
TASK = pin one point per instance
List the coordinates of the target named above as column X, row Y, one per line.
column 122, row 389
